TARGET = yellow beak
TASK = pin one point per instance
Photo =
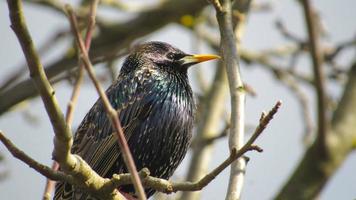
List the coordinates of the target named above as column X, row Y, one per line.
column 193, row 59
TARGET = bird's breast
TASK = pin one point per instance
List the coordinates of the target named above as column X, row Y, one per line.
column 163, row 136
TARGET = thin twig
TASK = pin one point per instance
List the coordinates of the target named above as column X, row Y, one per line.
column 74, row 97
column 288, row 77
column 42, row 50
column 83, row 176
column 50, row 184
column 149, row 181
column 113, row 114
column 319, row 74
column 313, row 172
column 331, row 53
column 265, row 119
column 76, row 89
column 88, row 39
column 286, row 33
column 54, row 174
column 166, row 186
column 110, row 41
column 42, row 169
column 263, row 58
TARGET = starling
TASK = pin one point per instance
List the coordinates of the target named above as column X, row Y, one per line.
column 156, row 109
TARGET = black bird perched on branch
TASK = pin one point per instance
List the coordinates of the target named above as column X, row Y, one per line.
column 156, row 109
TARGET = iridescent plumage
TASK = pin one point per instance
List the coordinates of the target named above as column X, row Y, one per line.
column 156, row 109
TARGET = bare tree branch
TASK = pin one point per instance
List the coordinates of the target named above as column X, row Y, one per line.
column 42, row 169
column 234, row 154
column 83, row 175
column 231, row 60
column 112, row 113
column 111, row 40
column 319, row 74
column 166, row 186
column 206, row 133
column 42, row 50
column 314, row 170
column 76, row 89
column 37, row 73
column 88, row 39
column 149, row 181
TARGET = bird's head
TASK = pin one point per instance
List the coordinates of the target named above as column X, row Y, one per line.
column 166, row 56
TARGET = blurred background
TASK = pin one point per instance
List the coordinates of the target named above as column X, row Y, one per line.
column 275, row 63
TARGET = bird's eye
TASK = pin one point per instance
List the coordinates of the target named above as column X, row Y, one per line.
column 170, row 56
column 174, row 56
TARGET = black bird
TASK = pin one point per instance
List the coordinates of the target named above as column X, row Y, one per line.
column 156, row 105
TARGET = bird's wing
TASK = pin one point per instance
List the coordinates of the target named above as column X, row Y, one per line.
column 94, row 140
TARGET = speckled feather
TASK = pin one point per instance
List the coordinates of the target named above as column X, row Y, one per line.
column 156, row 107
